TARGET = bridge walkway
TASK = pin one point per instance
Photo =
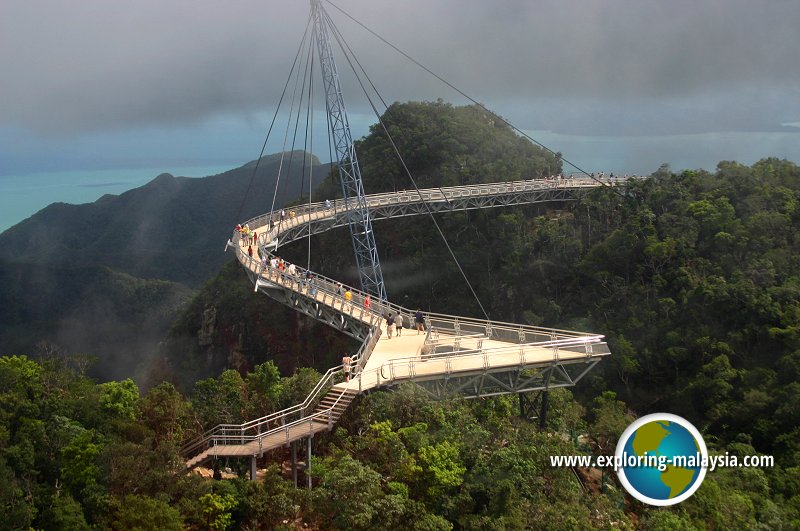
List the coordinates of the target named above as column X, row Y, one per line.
column 512, row 357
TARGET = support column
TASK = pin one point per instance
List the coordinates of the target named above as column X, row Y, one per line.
column 308, row 464
column 545, row 395
column 528, row 408
column 543, row 413
column 523, row 413
column 294, row 463
column 253, row 468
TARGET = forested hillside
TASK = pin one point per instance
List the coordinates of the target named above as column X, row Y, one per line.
column 77, row 455
column 106, row 279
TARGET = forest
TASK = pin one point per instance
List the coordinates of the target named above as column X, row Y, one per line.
column 693, row 276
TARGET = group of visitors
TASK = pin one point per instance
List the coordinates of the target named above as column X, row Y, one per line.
column 394, row 323
column 304, row 279
column 247, row 236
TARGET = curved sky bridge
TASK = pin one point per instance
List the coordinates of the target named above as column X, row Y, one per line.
column 453, row 356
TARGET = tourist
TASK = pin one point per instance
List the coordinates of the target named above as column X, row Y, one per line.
column 312, row 286
column 420, row 320
column 398, row 324
column 347, row 365
column 367, row 303
column 389, row 325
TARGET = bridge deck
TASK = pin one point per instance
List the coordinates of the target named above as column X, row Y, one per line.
column 256, row 446
column 469, row 347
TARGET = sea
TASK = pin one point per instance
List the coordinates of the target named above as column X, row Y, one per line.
column 21, row 196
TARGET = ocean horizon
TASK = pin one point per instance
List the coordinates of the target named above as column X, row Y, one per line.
column 22, row 196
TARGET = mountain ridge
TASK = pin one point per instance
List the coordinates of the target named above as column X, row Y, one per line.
column 153, row 230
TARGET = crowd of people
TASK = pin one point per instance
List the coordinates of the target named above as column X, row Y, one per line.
column 248, row 236
column 304, row 280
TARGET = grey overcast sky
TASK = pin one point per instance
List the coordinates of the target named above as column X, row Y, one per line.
column 620, row 85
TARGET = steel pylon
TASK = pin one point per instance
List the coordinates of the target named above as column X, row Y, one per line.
column 364, row 247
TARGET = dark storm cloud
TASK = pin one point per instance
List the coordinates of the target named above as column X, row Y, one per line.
column 597, row 67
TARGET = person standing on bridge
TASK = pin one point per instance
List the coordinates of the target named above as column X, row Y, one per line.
column 420, row 320
column 348, row 295
column 398, row 324
column 347, row 365
column 389, row 325
column 367, row 303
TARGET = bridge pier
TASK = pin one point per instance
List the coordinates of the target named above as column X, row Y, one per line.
column 533, row 406
column 253, row 468
column 543, row 413
column 308, row 464
column 294, row 463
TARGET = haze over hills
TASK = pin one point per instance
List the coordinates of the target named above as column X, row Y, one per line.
column 106, row 278
column 170, row 229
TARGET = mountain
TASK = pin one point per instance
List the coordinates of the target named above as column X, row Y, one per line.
column 106, row 278
column 172, row 228
column 93, row 310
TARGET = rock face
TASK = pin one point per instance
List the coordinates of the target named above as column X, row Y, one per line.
column 205, row 336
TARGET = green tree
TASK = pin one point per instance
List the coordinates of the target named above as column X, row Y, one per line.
column 136, row 512
column 216, row 510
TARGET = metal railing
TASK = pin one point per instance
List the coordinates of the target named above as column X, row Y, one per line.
column 294, row 215
column 481, row 359
column 257, row 429
column 331, row 293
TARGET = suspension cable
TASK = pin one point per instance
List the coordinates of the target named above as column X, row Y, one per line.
column 467, row 96
column 345, row 48
column 272, row 123
column 297, row 118
column 310, row 136
column 288, row 123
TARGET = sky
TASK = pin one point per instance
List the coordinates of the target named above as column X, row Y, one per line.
column 615, row 85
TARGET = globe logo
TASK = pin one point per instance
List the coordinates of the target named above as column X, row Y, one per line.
column 661, row 459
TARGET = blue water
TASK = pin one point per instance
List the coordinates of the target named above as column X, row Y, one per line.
column 21, row 196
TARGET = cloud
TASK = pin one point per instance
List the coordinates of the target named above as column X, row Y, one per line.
column 595, row 66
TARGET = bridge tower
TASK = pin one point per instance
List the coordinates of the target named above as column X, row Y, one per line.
column 364, row 247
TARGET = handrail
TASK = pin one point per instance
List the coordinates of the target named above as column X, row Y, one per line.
column 236, row 432
column 427, row 194
column 378, row 309
column 382, row 307
column 401, row 369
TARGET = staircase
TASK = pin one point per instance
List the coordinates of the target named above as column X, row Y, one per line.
column 283, row 427
column 337, row 400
